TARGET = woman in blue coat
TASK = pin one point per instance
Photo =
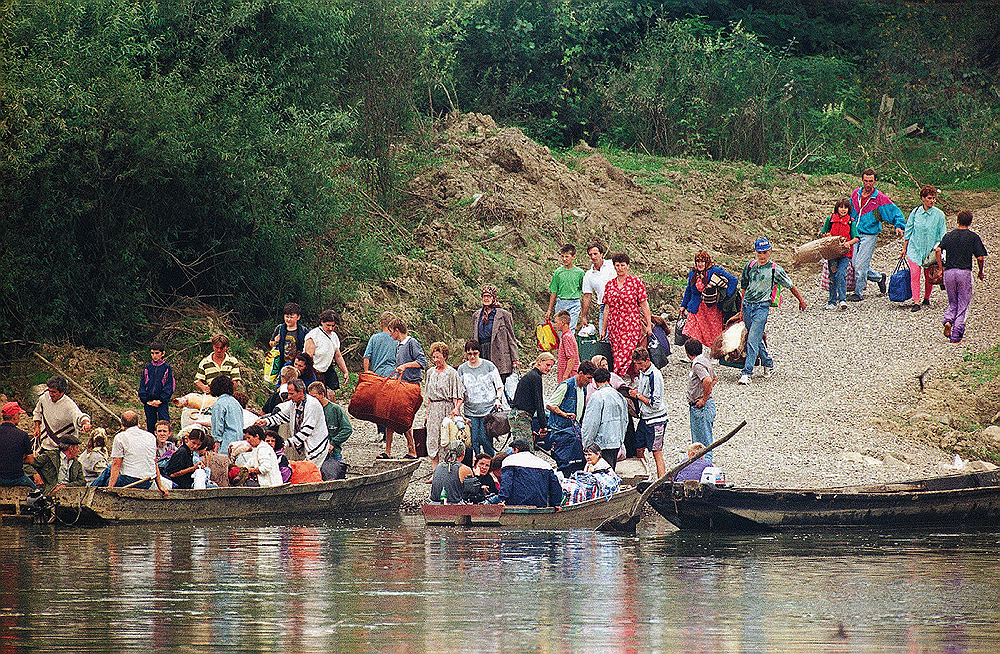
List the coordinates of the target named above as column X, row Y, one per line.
column 704, row 318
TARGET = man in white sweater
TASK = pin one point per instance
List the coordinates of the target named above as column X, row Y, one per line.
column 56, row 415
column 308, row 422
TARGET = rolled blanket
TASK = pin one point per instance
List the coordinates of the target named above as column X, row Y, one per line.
column 731, row 344
column 828, row 247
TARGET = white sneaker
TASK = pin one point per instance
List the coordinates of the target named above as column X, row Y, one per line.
column 768, row 372
column 744, row 379
column 842, row 305
column 830, row 307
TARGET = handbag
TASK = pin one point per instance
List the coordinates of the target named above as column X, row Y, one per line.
column 933, row 275
column 496, row 424
column 656, row 356
column 679, row 337
column 899, row 282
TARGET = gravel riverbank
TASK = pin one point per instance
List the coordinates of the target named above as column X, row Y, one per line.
column 839, row 375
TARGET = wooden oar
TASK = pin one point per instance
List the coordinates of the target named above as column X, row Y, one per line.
column 626, row 522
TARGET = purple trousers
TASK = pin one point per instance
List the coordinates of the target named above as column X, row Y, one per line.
column 958, row 283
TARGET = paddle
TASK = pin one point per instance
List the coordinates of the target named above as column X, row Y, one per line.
column 626, row 522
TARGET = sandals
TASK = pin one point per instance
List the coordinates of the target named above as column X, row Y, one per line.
column 383, row 455
column 410, row 456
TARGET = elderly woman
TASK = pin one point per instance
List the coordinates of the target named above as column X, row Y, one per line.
column 704, row 319
column 628, row 318
column 602, row 362
column 449, row 475
column 444, row 396
column 924, row 228
column 493, row 327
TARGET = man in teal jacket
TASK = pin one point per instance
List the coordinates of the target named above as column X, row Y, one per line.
column 870, row 208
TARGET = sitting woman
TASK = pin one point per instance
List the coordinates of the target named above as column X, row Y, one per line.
column 481, row 484
column 277, row 443
column 181, row 466
column 694, row 470
column 261, row 462
column 95, row 459
column 597, row 479
column 449, row 475
column 216, row 464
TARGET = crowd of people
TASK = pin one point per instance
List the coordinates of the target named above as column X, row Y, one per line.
column 603, row 409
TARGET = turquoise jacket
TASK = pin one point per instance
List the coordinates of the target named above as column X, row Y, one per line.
column 923, row 232
column 867, row 222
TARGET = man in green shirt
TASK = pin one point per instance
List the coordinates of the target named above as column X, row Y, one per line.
column 759, row 277
column 338, row 424
column 566, row 287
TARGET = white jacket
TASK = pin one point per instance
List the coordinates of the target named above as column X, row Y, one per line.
column 265, row 460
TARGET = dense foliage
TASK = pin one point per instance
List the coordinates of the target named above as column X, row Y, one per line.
column 244, row 151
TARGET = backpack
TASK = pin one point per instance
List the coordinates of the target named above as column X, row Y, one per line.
column 775, row 289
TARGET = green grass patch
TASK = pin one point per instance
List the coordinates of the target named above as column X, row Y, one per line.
column 982, row 368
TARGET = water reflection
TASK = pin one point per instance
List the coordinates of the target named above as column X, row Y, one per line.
column 400, row 587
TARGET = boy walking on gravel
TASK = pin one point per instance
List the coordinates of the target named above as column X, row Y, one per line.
column 759, row 279
column 961, row 244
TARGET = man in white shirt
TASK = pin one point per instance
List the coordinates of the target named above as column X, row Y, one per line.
column 597, row 276
column 133, row 457
column 305, row 414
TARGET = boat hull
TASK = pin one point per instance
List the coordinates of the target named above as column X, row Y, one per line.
column 964, row 501
column 583, row 515
column 370, row 493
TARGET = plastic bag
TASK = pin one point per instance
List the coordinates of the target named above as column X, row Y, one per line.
column 272, row 366
column 546, row 335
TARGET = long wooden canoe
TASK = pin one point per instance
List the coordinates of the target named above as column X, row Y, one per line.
column 584, row 515
column 955, row 501
column 378, row 491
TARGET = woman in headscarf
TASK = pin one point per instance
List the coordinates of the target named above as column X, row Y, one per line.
column 704, row 318
column 493, row 327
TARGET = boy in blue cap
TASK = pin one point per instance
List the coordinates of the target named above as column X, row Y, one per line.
column 759, row 278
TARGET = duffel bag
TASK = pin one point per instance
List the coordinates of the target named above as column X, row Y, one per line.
column 899, row 282
column 385, row 401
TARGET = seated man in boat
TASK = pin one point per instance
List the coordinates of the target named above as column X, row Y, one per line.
column 693, row 471
column 59, row 468
column 527, row 480
column 133, row 457
column 15, row 449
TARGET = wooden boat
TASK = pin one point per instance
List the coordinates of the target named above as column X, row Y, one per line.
column 375, row 491
column 963, row 501
column 583, row 515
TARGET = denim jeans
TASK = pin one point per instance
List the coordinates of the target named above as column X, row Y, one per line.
column 23, row 480
column 480, row 441
column 573, row 306
column 123, row 480
column 838, row 280
column 702, row 421
column 755, row 318
column 863, row 251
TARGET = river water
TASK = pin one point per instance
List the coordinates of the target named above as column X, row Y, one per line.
column 395, row 585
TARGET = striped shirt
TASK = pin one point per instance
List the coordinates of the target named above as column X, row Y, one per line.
column 209, row 370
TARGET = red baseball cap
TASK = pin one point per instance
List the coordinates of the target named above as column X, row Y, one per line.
column 12, row 409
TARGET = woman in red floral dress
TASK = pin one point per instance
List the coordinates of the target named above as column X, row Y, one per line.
column 628, row 318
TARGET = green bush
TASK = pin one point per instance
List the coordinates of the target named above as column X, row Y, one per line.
column 156, row 150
